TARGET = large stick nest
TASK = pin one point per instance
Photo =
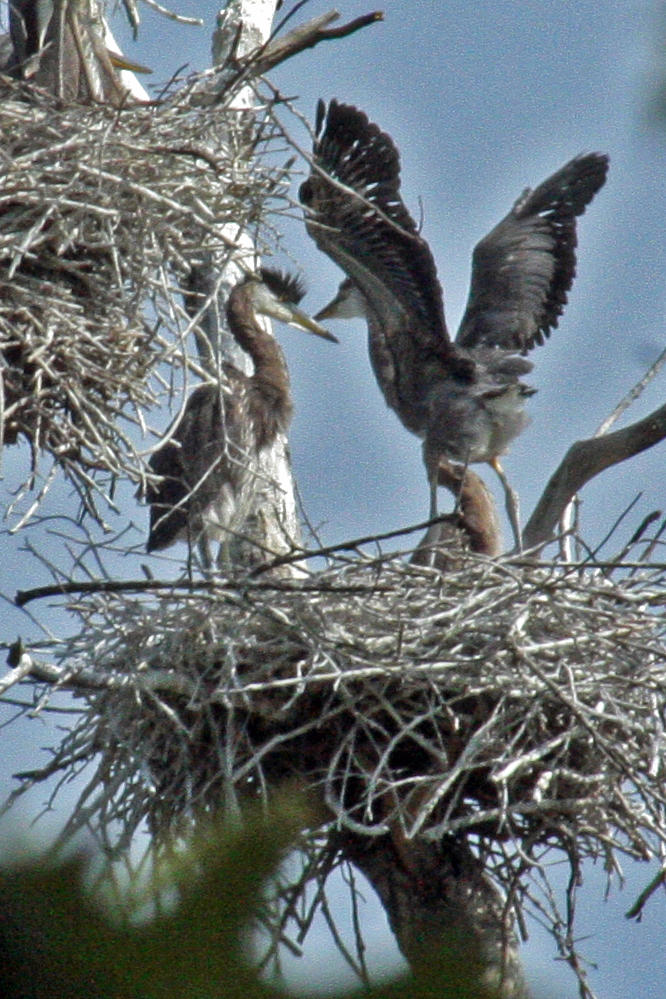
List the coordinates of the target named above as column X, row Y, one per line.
column 103, row 212
column 522, row 704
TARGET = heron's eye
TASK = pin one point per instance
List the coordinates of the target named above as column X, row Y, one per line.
column 305, row 192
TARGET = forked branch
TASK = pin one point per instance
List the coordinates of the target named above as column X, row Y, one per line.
column 582, row 462
column 306, row 36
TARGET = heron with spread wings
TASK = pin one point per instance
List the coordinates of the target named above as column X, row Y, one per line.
column 466, row 397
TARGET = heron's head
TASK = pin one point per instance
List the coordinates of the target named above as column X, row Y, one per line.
column 347, row 304
column 276, row 294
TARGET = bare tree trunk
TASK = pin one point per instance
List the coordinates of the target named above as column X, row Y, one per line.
column 438, row 899
column 273, row 527
column 431, row 894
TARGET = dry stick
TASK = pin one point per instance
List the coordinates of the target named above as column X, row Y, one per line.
column 171, row 14
column 24, row 597
column 632, row 395
column 582, row 462
column 636, row 910
column 133, row 15
column 305, row 37
column 352, row 545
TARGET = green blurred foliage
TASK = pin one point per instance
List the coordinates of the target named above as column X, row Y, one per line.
column 57, row 942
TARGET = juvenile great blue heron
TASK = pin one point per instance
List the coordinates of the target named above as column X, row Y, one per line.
column 465, row 398
column 66, row 48
column 208, row 480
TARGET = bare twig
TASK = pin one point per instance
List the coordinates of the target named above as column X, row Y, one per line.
column 636, row 910
column 24, row 597
column 172, row 15
column 632, row 395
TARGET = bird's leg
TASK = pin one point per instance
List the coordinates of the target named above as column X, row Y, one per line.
column 432, row 471
column 458, row 490
column 204, row 554
column 512, row 503
column 433, row 496
column 431, row 462
column 223, row 561
column 56, row 32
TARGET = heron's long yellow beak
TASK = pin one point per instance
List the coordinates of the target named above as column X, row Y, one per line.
column 120, row 62
column 302, row 321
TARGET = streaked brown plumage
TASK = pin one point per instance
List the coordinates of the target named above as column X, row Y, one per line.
column 206, row 464
column 465, row 398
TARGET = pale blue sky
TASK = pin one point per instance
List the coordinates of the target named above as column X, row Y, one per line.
column 482, row 100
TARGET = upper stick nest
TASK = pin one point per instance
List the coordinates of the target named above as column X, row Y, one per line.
column 103, row 213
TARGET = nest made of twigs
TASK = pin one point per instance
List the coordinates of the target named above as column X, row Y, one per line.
column 522, row 704
column 103, row 213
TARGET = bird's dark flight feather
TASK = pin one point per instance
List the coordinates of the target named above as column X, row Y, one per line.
column 523, row 269
column 190, row 466
column 382, row 249
column 465, row 398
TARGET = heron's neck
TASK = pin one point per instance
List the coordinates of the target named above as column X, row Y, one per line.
column 270, row 367
column 269, row 385
column 270, row 396
column 264, row 350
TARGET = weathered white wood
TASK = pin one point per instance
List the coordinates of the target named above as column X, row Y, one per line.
column 273, row 527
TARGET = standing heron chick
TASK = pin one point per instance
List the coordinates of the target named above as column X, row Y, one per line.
column 206, row 465
column 465, row 398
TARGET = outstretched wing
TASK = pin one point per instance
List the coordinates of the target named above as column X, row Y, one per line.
column 357, row 217
column 523, row 269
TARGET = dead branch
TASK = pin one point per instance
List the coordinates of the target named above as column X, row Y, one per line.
column 636, row 910
column 170, row 14
column 633, row 394
column 582, row 462
column 306, row 36
column 24, row 597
